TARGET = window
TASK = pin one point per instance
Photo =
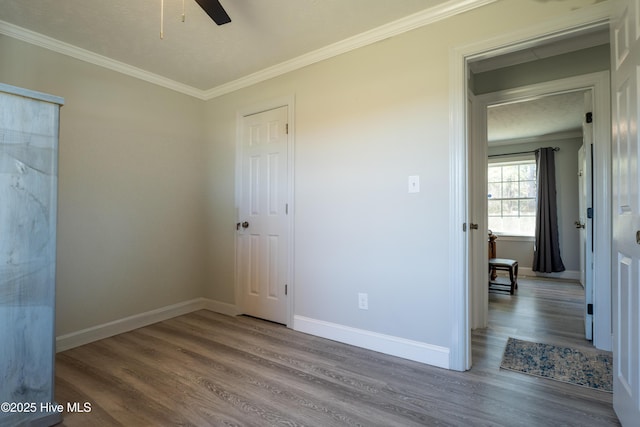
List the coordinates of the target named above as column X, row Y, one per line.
column 512, row 197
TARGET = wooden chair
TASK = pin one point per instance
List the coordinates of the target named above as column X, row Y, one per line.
column 510, row 265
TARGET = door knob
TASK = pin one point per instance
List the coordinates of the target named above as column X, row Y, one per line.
column 243, row 225
column 579, row 224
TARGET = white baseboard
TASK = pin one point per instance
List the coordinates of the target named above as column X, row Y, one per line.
column 220, row 307
column 106, row 330
column 388, row 344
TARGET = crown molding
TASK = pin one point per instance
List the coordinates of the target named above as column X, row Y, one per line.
column 54, row 45
column 403, row 25
column 557, row 136
column 411, row 22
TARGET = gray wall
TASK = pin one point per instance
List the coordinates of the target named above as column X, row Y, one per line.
column 131, row 179
column 583, row 61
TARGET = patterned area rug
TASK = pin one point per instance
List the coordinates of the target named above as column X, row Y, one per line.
column 585, row 368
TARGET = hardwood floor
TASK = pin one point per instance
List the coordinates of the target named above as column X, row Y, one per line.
column 208, row 369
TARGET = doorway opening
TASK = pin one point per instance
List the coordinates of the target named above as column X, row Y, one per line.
column 592, row 91
column 473, row 209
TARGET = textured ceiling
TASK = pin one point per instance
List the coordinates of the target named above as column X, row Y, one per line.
column 552, row 114
column 199, row 53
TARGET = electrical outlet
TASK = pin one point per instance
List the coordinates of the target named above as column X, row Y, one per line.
column 363, row 301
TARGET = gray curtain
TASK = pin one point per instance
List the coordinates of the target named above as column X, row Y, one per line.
column 546, row 253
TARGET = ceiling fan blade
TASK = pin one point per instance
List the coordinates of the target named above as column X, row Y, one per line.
column 215, row 10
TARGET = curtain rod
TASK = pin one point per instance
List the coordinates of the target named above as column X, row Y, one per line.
column 523, row 152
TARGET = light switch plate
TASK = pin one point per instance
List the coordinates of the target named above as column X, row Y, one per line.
column 363, row 301
column 414, row 184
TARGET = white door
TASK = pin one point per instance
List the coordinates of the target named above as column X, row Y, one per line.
column 585, row 219
column 263, row 216
column 581, row 203
column 477, row 228
column 626, row 212
column 585, row 225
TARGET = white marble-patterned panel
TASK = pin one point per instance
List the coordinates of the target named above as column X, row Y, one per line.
column 28, row 183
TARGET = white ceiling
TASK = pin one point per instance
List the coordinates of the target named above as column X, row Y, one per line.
column 198, row 53
column 552, row 115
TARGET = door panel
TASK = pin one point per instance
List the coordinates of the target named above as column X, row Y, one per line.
column 581, row 208
column 626, row 211
column 586, row 202
column 263, row 220
column 586, row 234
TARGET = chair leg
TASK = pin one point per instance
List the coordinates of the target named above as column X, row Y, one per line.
column 513, row 282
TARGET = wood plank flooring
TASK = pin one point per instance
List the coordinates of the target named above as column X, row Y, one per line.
column 206, row 369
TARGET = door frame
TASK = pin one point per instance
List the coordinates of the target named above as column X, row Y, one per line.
column 289, row 102
column 587, row 18
column 599, row 86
